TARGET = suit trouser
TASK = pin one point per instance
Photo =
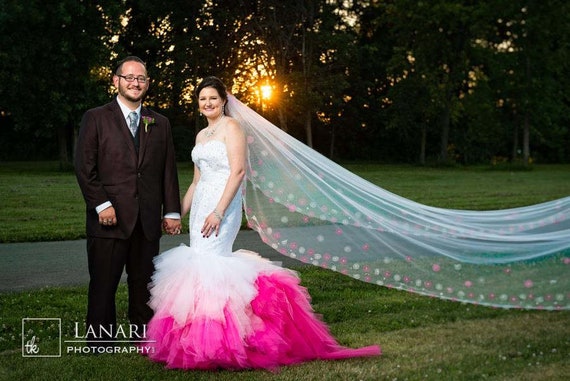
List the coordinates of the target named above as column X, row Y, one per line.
column 106, row 260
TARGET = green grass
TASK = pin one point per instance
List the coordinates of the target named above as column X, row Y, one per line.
column 477, row 188
column 40, row 203
column 422, row 338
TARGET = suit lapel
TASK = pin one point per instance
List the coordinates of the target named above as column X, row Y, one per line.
column 124, row 128
column 143, row 135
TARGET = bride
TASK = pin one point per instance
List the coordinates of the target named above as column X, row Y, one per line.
column 214, row 308
column 218, row 308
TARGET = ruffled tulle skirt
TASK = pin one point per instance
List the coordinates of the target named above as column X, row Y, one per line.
column 236, row 312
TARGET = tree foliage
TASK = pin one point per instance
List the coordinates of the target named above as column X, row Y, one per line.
column 395, row 80
column 51, row 57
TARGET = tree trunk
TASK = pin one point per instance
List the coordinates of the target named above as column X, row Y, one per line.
column 331, row 149
column 423, row 145
column 282, row 119
column 74, row 143
column 308, row 128
column 526, row 139
column 62, row 142
column 526, row 123
column 445, row 119
column 514, row 153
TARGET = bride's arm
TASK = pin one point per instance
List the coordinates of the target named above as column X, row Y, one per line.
column 236, row 149
column 187, row 200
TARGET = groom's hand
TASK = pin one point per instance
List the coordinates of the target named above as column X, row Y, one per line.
column 107, row 217
column 171, row 226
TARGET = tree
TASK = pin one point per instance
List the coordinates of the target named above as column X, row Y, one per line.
column 51, row 67
column 530, row 74
column 306, row 49
column 432, row 48
column 397, row 80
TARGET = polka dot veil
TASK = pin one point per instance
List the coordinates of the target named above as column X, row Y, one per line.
column 311, row 209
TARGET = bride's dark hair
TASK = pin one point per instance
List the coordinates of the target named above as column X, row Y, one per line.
column 214, row 82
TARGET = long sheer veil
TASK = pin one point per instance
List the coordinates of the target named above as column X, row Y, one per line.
column 309, row 208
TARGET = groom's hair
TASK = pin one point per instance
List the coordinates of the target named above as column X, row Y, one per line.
column 119, row 67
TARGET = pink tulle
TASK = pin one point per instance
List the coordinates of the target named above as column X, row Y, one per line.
column 285, row 331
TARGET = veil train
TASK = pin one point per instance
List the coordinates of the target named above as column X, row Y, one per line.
column 309, row 208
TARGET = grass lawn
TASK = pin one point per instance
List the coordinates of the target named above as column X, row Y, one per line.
column 421, row 338
column 48, row 205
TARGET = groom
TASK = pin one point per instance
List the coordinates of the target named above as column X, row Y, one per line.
column 125, row 166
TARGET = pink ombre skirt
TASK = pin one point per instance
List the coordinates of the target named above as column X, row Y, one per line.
column 235, row 312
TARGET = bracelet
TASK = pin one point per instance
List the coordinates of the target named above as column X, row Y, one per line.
column 218, row 215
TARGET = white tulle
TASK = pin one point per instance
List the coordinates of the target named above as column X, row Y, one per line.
column 311, row 209
column 218, row 308
column 190, row 283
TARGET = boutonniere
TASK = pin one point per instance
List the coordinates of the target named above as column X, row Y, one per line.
column 147, row 120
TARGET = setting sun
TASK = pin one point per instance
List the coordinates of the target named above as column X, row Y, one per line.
column 266, row 91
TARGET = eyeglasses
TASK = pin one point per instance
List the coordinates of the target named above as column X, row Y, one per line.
column 131, row 78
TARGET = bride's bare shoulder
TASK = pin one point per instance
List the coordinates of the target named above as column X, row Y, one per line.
column 233, row 126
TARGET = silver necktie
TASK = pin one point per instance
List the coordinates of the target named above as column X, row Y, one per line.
column 133, row 125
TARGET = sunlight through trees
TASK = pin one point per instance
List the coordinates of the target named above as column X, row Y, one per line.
column 440, row 81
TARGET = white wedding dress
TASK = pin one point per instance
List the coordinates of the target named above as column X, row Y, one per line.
column 215, row 308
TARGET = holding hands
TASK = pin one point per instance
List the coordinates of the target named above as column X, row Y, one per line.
column 108, row 217
column 171, row 226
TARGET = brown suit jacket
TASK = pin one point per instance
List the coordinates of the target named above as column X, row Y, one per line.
column 108, row 168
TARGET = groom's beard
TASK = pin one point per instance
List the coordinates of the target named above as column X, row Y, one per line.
column 125, row 93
